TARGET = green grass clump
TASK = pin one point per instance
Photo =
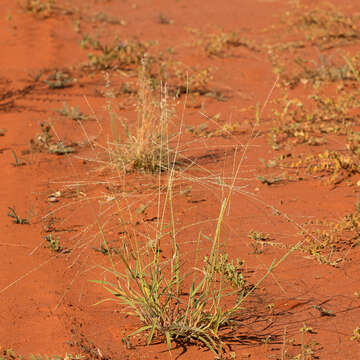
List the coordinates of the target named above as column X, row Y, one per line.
column 176, row 304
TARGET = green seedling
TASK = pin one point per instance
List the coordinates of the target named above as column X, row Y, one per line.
column 220, row 43
column 106, row 250
column 17, row 162
column 141, row 209
column 356, row 335
column 118, row 55
column 17, row 219
column 60, row 149
column 106, row 18
column 325, row 239
column 232, row 271
column 8, row 354
column 164, row 20
column 72, row 112
column 307, row 351
column 44, row 142
column 259, row 238
column 59, row 80
column 40, row 8
column 53, row 243
column 323, row 312
column 323, row 27
column 271, row 180
column 258, row 235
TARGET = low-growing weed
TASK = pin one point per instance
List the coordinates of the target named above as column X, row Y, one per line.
column 314, row 72
column 59, row 80
column 16, row 219
column 298, row 123
column 332, row 166
column 164, row 20
column 331, row 239
column 44, row 142
column 9, row 354
column 233, row 272
column 118, row 55
column 72, row 112
column 53, row 243
column 258, row 235
column 309, row 348
column 356, row 335
column 271, row 180
column 106, row 18
column 40, row 8
column 219, row 43
column 325, row 27
column 225, row 130
column 43, row 9
column 18, row 162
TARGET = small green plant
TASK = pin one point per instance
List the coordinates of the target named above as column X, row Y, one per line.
column 9, row 354
column 106, row 250
column 44, row 142
column 220, row 42
column 325, row 240
column 164, row 20
column 59, row 80
column 271, row 180
column 230, row 270
column 184, row 80
column 40, row 8
column 356, row 335
column 316, row 72
column 17, row 162
column 323, row 311
column 53, row 243
column 259, row 241
column 106, row 18
column 333, row 167
column 258, row 235
column 327, row 27
column 307, row 350
column 298, row 123
column 118, row 55
column 72, row 112
column 16, row 219
column 225, row 130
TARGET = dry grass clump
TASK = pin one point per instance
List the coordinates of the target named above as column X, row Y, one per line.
column 147, row 148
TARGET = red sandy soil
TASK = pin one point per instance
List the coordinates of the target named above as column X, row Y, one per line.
column 46, row 299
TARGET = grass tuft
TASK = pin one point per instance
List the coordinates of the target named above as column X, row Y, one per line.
column 147, row 148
